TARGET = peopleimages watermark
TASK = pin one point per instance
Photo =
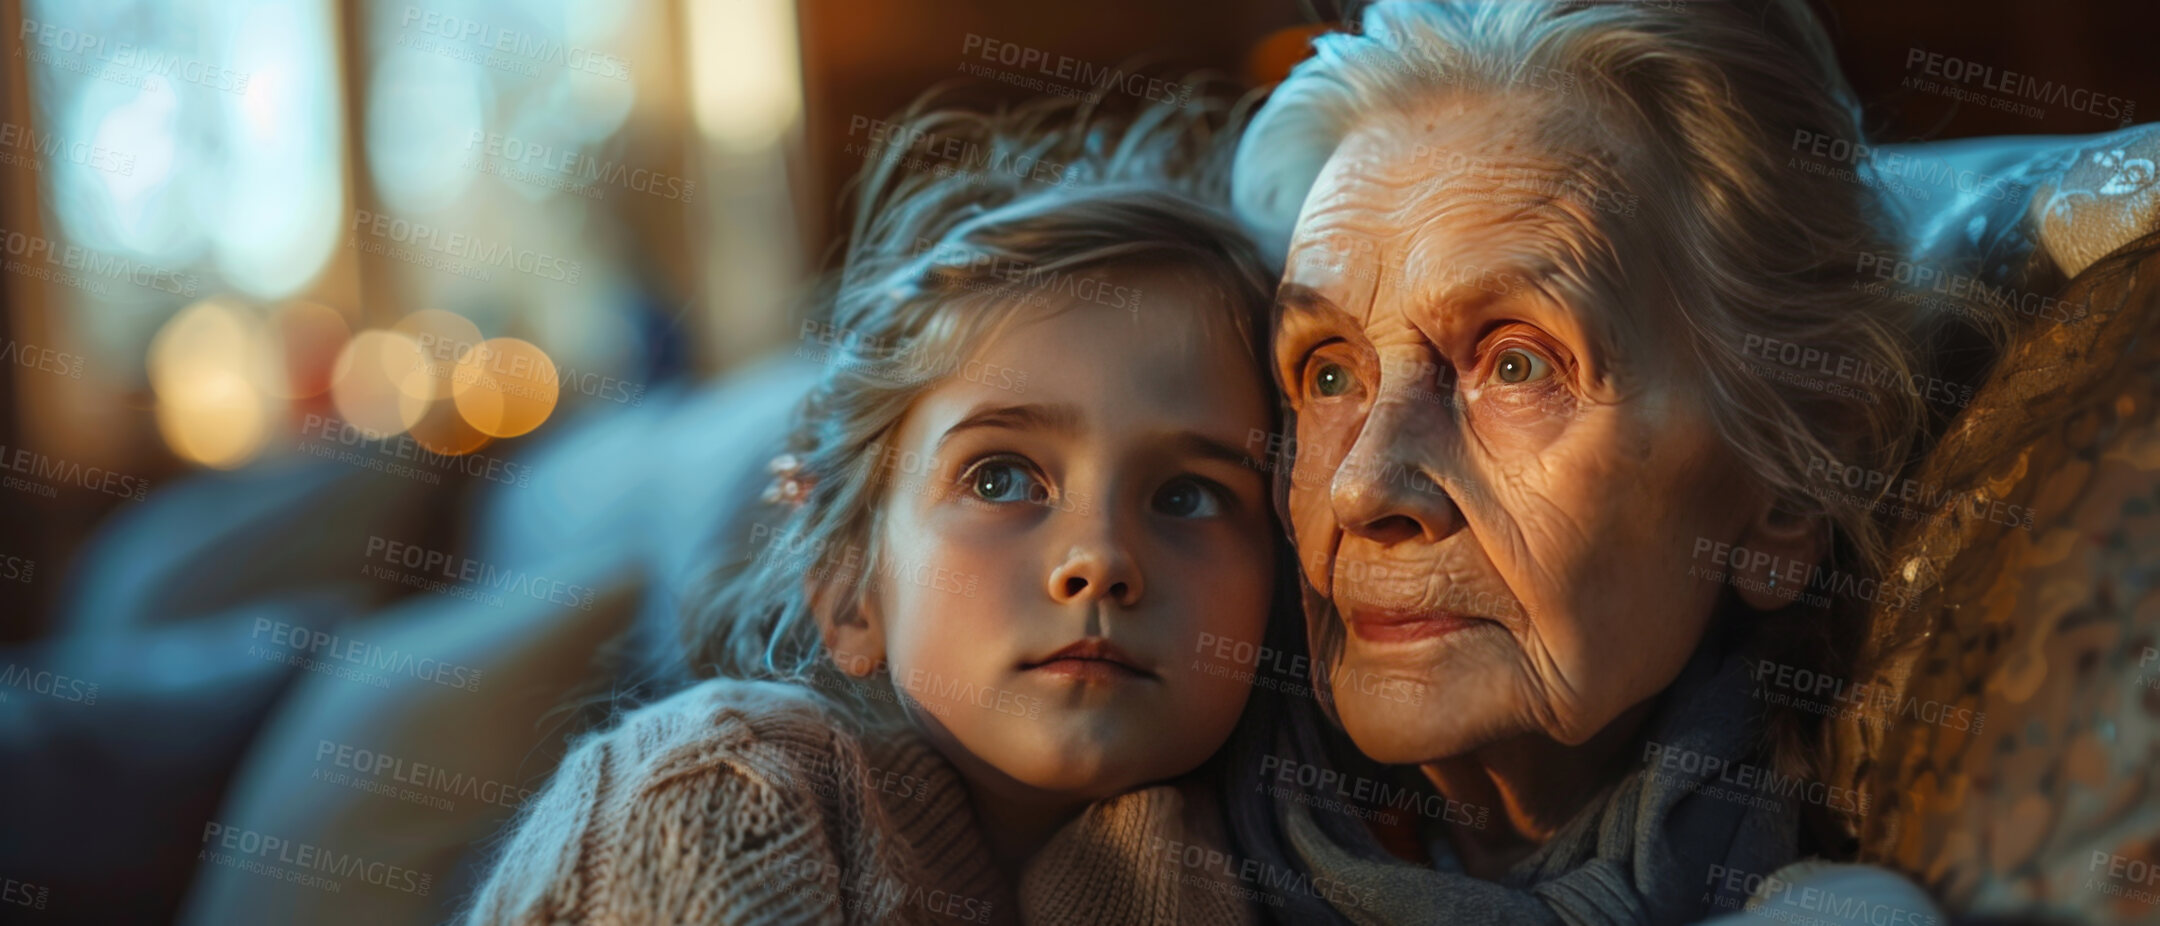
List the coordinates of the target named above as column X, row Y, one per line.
column 2009, row 91
column 1356, row 795
column 39, row 472
column 1043, row 72
column 41, row 359
column 1728, row 888
column 302, row 863
column 1437, row 591
column 1917, row 280
column 78, row 267
column 323, row 436
column 2146, row 660
column 848, row 561
column 1791, row 579
column 23, row 893
column 2123, row 876
column 455, row 253
column 114, row 60
column 567, row 170
column 1291, row 673
column 17, row 569
column 1878, row 705
column 1806, row 359
column 45, row 683
column 325, row 651
column 47, row 148
column 1029, row 285
column 943, row 690
column 468, row 39
column 1250, row 878
column 901, row 361
column 1908, row 174
column 1879, row 491
column 401, row 779
column 815, row 769
column 921, row 150
column 514, row 372
column 468, row 575
column 1745, row 783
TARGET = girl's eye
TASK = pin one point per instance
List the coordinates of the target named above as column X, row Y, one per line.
column 1516, row 365
column 1002, row 480
column 1329, row 379
column 1189, row 498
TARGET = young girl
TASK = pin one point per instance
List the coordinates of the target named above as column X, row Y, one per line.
column 1014, row 587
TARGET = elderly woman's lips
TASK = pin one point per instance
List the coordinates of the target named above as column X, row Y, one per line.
column 1379, row 625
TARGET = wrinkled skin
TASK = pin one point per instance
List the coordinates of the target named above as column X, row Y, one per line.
column 1474, row 442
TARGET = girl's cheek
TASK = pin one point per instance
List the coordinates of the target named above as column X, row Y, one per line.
column 1235, row 598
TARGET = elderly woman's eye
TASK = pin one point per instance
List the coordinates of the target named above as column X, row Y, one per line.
column 1329, row 379
column 1516, row 365
column 1003, row 480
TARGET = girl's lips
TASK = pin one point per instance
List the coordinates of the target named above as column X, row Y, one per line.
column 1091, row 659
column 1377, row 625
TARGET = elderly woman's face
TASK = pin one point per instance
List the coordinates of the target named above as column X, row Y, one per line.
column 1499, row 488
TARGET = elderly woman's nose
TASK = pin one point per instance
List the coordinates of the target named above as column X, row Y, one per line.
column 1382, row 491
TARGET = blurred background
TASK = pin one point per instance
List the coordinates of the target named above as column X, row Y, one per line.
column 296, row 288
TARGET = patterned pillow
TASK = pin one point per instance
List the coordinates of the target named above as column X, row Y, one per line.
column 2015, row 769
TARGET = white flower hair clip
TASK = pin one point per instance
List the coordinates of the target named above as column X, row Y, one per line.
column 789, row 486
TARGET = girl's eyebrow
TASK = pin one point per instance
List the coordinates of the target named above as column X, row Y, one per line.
column 1193, row 444
column 1058, row 417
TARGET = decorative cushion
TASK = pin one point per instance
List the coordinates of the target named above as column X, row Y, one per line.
column 2012, row 766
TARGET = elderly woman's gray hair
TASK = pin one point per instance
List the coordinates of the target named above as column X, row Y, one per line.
column 1757, row 245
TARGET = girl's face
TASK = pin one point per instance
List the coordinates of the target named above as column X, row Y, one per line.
column 1069, row 531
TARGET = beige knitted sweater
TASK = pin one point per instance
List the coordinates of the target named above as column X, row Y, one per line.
column 744, row 802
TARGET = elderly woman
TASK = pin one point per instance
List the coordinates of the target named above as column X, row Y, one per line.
column 1570, row 336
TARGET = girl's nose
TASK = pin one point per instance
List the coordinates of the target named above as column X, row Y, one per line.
column 1096, row 571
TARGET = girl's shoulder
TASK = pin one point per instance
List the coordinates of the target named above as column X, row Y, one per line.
column 770, row 728
column 719, row 797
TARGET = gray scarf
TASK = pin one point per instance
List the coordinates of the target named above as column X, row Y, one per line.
column 1666, row 844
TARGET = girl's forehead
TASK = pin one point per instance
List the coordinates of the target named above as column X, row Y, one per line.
column 1110, row 371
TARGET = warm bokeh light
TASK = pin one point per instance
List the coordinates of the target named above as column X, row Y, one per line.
column 222, row 424
column 745, row 73
column 443, row 339
column 505, row 387
column 210, row 366
column 366, row 392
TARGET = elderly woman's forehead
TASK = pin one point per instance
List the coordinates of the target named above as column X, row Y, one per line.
column 1448, row 131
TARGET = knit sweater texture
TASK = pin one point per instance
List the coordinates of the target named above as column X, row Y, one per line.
column 737, row 802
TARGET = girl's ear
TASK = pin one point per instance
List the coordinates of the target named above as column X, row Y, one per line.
column 850, row 625
column 1783, row 551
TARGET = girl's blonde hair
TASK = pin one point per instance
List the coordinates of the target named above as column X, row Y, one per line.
column 1017, row 206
